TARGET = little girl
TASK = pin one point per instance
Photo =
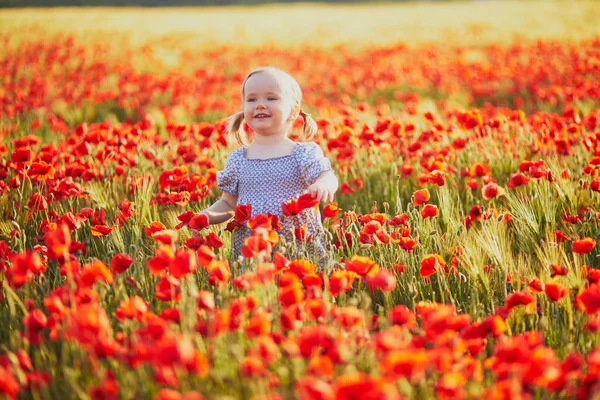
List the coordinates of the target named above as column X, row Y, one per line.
column 273, row 169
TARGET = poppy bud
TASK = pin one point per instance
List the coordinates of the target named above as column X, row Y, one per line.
column 15, row 226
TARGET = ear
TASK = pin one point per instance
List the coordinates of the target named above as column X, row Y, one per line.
column 294, row 112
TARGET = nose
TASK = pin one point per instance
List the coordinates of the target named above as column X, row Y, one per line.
column 260, row 105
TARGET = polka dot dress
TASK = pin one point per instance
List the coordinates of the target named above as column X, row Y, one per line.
column 266, row 183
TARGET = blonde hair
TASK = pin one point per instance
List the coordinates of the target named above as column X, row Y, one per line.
column 235, row 123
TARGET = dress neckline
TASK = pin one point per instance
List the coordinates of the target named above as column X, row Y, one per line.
column 270, row 158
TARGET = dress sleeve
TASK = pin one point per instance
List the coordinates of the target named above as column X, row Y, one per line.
column 312, row 162
column 227, row 180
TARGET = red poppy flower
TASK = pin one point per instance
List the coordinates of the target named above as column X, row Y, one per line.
column 301, row 267
column 199, row 222
column 420, row 197
column 300, row 234
column 384, row 280
column 265, row 221
column 184, row 218
column 407, row 243
column 194, row 242
column 280, row 261
column 362, row 266
column 218, row 272
column 166, row 237
column 583, row 246
column 555, row 291
column 405, row 363
column 430, row 264
column 83, row 149
column 340, row 281
column 312, row 279
column 161, row 260
column 558, row 270
column 40, row 171
column 295, row 207
column 322, row 366
column 366, row 238
column 183, row 263
column 429, row 210
column 330, row 210
column 491, row 190
column 371, row 227
column 257, row 245
column 168, row 288
column 133, row 308
column 288, row 278
column 406, row 169
column 383, row 236
column 154, row 227
column 479, row 170
column 345, row 188
column 588, row 300
column 401, row 219
column 171, row 394
column 401, row 315
column 517, row 180
column 243, row 212
column 244, row 281
column 252, row 367
column 213, row 241
column 595, row 185
column 259, row 324
column 536, row 286
column 360, row 386
column 522, row 298
column 437, row 177
column 559, row 237
column 94, row 271
column 34, row 322
column 22, row 156
column 100, row 230
column 206, row 300
column 205, row 255
column 120, row 263
column 291, row 294
column 399, row 268
column 591, row 274
column 313, row 388
column 58, row 242
column 37, row 202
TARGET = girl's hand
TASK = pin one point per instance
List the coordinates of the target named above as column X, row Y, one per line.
column 321, row 192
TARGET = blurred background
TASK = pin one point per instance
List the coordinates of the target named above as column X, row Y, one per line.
column 185, row 63
column 168, row 3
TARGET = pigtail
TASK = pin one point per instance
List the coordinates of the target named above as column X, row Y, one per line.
column 235, row 128
column 310, row 126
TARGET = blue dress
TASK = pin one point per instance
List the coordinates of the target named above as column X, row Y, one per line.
column 266, row 183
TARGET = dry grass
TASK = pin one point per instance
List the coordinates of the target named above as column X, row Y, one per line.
column 326, row 25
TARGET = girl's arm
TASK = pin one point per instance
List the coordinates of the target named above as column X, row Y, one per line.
column 221, row 210
column 324, row 187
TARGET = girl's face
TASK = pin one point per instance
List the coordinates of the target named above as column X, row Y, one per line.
column 268, row 108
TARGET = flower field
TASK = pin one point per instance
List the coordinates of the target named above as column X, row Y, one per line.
column 464, row 233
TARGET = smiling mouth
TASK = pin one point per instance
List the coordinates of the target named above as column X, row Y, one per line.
column 260, row 116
